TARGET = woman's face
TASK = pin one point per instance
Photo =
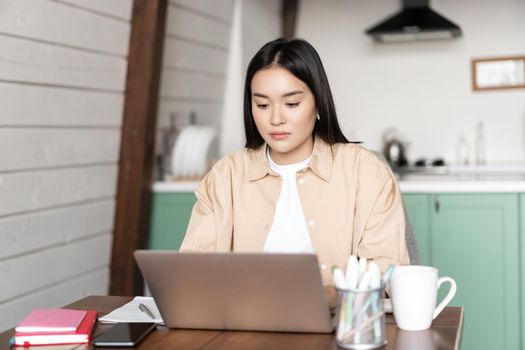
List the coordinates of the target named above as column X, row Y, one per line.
column 284, row 111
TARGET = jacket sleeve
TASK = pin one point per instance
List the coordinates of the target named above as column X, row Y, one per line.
column 383, row 238
column 210, row 227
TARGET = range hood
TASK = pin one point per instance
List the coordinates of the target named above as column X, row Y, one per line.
column 416, row 21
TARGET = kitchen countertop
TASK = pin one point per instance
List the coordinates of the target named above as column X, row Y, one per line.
column 462, row 183
column 487, row 179
column 174, row 186
column 467, row 179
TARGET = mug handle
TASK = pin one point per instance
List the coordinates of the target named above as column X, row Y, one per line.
column 449, row 296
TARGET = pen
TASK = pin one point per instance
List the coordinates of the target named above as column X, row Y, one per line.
column 339, row 278
column 362, row 302
column 361, row 266
column 147, row 311
column 340, row 282
column 375, row 282
column 352, row 278
column 352, row 272
column 388, row 274
column 362, row 326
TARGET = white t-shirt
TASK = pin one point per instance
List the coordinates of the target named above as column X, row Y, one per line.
column 289, row 233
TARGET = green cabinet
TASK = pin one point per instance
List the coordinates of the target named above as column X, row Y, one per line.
column 475, row 239
column 522, row 268
column 170, row 214
column 418, row 210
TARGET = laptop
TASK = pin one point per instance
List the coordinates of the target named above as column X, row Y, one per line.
column 237, row 291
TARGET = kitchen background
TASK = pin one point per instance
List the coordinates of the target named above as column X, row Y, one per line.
column 468, row 223
column 62, row 82
column 422, row 88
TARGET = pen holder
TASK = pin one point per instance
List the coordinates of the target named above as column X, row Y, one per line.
column 360, row 318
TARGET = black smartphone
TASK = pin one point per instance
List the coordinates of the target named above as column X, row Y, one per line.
column 124, row 334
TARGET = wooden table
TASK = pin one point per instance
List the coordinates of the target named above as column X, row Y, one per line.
column 445, row 333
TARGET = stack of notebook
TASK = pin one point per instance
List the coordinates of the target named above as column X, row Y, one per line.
column 55, row 326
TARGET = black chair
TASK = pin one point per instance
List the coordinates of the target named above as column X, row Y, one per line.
column 413, row 251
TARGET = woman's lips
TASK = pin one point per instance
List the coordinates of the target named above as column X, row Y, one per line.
column 279, row 135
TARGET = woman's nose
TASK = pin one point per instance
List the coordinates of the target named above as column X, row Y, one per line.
column 277, row 118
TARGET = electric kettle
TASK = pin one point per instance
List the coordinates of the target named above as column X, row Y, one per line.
column 394, row 149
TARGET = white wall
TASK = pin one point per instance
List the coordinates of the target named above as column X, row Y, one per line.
column 422, row 88
column 194, row 63
column 232, row 113
column 62, row 76
column 208, row 46
column 257, row 22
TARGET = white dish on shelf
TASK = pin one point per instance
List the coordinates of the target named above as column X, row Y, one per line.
column 178, row 154
column 202, row 149
column 188, row 150
column 191, row 150
column 175, row 154
column 194, row 152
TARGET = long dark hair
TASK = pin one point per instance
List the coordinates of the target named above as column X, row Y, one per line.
column 299, row 58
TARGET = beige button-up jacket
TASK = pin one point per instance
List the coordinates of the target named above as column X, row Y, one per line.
column 350, row 199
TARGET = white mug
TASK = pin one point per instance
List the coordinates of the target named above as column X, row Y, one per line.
column 414, row 293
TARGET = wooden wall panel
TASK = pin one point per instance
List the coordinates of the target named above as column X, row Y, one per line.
column 28, row 61
column 32, row 190
column 54, row 265
column 207, row 113
column 115, row 8
column 190, row 25
column 62, row 80
column 84, row 284
column 194, row 64
column 35, row 231
column 28, row 105
column 41, row 148
column 191, row 56
column 201, row 86
column 53, row 22
column 221, row 9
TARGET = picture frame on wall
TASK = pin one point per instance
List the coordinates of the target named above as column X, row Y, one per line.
column 498, row 73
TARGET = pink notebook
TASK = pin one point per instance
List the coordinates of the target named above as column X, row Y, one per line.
column 51, row 320
column 81, row 335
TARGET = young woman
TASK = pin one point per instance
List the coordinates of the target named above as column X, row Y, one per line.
column 299, row 186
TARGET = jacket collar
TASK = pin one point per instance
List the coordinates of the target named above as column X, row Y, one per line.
column 321, row 163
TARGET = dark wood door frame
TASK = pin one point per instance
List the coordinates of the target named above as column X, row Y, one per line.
column 137, row 144
column 132, row 215
column 289, row 9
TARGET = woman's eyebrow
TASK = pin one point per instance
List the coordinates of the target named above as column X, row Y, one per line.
column 258, row 94
column 288, row 94
column 292, row 93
